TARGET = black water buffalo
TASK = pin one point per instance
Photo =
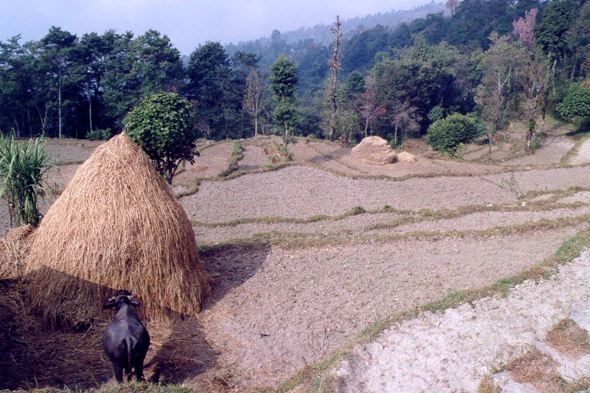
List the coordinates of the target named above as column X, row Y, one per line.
column 125, row 340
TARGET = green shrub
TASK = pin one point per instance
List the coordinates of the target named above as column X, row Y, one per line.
column 161, row 125
column 575, row 103
column 100, row 135
column 448, row 134
column 23, row 173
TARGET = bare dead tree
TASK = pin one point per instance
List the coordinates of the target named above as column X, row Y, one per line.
column 255, row 95
column 336, row 65
column 369, row 109
column 405, row 118
column 452, row 6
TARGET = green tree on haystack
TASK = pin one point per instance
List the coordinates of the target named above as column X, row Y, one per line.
column 161, row 125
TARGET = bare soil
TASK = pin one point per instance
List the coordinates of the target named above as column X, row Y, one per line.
column 68, row 151
column 583, row 155
column 368, row 224
column 254, row 158
column 299, row 305
column 453, row 350
column 212, row 161
column 551, row 152
column 302, row 192
column 522, row 182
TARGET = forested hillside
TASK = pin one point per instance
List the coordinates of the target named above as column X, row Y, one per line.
column 320, row 34
column 390, row 81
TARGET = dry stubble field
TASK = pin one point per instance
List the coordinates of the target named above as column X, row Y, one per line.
column 308, row 255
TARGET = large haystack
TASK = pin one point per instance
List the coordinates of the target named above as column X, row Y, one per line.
column 117, row 225
column 374, row 150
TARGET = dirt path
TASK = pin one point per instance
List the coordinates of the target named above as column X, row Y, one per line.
column 583, row 155
column 551, row 151
column 452, row 351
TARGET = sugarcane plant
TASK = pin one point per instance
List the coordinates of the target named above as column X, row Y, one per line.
column 24, row 170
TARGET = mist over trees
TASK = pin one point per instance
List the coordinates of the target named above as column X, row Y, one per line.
column 483, row 58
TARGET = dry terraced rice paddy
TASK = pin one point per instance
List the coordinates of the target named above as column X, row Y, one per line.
column 306, row 256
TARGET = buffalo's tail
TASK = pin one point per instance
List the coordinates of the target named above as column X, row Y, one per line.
column 129, row 342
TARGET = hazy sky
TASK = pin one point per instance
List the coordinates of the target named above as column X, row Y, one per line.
column 187, row 22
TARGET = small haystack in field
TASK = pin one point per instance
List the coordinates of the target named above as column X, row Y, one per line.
column 116, row 225
column 14, row 248
column 374, row 150
column 406, row 157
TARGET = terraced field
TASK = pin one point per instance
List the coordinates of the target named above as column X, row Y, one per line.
column 307, row 254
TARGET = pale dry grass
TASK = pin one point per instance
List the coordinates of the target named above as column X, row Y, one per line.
column 568, row 338
column 537, row 369
column 14, row 248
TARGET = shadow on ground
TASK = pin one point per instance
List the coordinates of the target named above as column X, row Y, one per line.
column 34, row 355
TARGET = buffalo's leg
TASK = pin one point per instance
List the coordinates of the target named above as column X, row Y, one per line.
column 118, row 373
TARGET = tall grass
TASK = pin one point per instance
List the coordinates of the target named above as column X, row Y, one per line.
column 23, row 174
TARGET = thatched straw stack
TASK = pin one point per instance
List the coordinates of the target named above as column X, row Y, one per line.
column 14, row 248
column 116, row 225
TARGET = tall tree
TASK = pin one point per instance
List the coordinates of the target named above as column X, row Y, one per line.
column 255, row 97
column 452, row 6
column 15, row 84
column 94, row 54
column 533, row 69
column 498, row 65
column 405, row 119
column 369, row 108
column 283, row 79
column 57, row 49
column 335, row 65
column 119, row 85
column 552, row 33
column 208, row 79
column 157, row 64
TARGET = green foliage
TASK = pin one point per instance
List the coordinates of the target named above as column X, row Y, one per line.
column 448, row 134
column 575, row 103
column 100, row 135
column 208, row 81
column 393, row 141
column 283, row 78
column 423, row 76
column 23, row 174
column 551, row 34
column 355, row 83
column 285, row 114
column 436, row 113
column 161, row 125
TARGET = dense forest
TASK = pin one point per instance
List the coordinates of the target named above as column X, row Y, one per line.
column 482, row 58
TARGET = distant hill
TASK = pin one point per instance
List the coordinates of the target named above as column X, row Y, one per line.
column 320, row 34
